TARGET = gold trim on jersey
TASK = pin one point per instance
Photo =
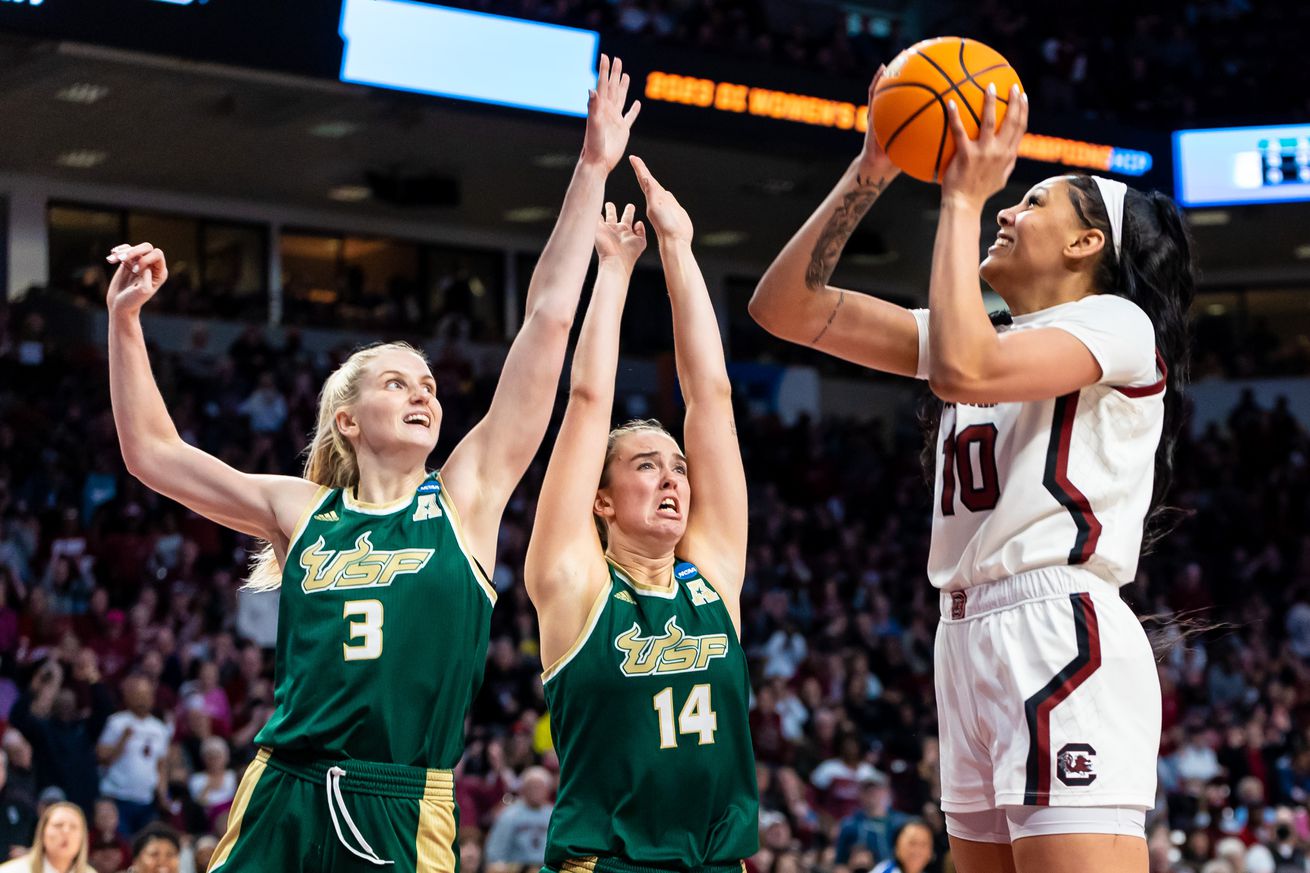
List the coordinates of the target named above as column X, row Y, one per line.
column 668, row 593
column 593, row 617
column 360, row 506
column 435, row 841
column 579, row 865
column 457, row 527
column 314, row 505
column 254, row 772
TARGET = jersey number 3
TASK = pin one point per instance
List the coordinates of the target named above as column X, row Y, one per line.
column 368, row 629
column 970, row 457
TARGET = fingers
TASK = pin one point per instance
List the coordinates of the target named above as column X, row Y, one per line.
column 128, row 253
column 616, row 76
column 988, row 127
column 873, row 83
column 609, row 213
column 632, row 113
column 957, row 126
column 1016, row 126
column 603, row 76
column 639, row 229
column 629, row 212
column 154, row 263
column 622, row 96
column 644, row 178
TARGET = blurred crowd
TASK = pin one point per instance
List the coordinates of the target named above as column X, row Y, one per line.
column 133, row 676
column 1199, row 59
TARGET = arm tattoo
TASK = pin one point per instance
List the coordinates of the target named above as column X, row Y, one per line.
column 831, row 315
column 839, row 229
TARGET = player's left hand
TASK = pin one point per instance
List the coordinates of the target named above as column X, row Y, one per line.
column 982, row 166
column 666, row 215
column 607, row 124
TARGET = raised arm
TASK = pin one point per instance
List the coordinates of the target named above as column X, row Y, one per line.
column 565, row 563
column 489, row 462
column 716, row 530
column 794, row 301
column 968, row 361
column 262, row 506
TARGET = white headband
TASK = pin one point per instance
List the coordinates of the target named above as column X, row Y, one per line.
column 1113, row 193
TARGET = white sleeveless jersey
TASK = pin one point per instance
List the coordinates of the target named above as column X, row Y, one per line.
column 1047, row 483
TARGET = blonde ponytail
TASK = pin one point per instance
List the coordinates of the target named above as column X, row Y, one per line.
column 329, row 457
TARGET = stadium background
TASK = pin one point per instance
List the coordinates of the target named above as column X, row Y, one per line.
column 303, row 215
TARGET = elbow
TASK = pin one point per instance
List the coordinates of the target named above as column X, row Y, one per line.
column 554, row 318
column 764, row 310
column 954, row 385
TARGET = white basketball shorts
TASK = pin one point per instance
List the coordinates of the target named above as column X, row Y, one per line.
column 1047, row 695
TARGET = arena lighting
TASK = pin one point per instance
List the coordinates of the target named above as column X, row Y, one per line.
column 445, row 52
column 822, row 112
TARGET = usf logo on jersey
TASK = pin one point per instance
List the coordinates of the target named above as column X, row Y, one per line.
column 360, row 567
column 673, row 652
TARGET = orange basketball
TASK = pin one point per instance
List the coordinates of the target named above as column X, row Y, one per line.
column 909, row 105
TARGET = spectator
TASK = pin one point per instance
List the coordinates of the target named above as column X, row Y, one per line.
column 839, row 779
column 913, row 850
column 214, row 787
column 110, row 852
column 132, row 749
column 518, row 836
column 875, row 824
column 157, row 849
column 17, row 818
column 60, row 844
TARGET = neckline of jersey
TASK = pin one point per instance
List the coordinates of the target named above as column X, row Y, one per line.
column 356, row 505
column 646, row 590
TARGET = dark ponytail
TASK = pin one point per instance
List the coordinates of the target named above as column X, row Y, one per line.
column 1155, row 270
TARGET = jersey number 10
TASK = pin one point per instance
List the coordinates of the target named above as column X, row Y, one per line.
column 979, row 484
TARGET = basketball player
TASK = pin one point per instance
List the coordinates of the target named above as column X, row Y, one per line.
column 1054, row 443
column 383, row 566
column 637, row 590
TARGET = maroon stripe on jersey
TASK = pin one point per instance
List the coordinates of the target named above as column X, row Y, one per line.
column 1155, row 387
column 1057, row 481
column 1037, row 709
column 948, row 473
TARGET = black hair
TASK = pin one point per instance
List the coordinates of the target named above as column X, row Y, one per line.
column 151, row 832
column 1155, row 270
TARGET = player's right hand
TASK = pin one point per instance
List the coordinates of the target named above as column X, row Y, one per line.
column 607, row 124
column 873, row 160
column 141, row 270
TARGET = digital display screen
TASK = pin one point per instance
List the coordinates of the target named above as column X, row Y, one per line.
column 1238, row 165
column 428, row 49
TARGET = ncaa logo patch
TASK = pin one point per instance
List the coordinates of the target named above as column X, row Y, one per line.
column 684, row 570
column 430, row 487
column 1075, row 764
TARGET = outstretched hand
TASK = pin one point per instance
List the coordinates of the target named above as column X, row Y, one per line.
column 666, row 215
column 981, row 167
column 141, row 271
column 618, row 238
column 608, row 125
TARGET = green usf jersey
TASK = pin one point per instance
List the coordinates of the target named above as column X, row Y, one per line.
column 382, row 632
column 649, row 714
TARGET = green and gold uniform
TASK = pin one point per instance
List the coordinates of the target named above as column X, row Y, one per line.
column 381, row 645
column 649, row 714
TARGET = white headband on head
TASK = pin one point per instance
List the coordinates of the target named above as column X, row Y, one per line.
column 1113, row 193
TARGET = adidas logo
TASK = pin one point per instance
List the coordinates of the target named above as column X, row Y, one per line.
column 625, row 597
column 330, row 515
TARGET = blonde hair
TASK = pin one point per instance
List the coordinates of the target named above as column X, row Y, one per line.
column 636, row 425
column 37, row 855
column 329, row 457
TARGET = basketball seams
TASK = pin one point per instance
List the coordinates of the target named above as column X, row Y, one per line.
column 914, row 115
column 952, row 86
column 969, row 76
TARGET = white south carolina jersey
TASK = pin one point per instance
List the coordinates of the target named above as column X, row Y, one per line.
column 1049, row 483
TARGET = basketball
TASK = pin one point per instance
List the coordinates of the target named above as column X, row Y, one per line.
column 909, row 104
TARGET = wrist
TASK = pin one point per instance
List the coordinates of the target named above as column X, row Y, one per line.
column 616, row 263
column 593, row 164
column 959, row 201
column 879, row 166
